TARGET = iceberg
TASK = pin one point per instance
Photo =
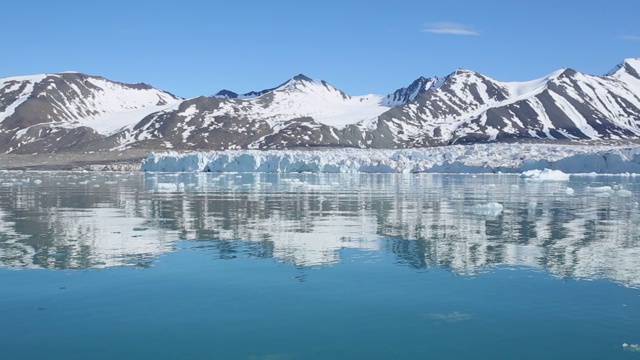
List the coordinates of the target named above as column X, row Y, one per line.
column 545, row 175
column 549, row 160
column 492, row 209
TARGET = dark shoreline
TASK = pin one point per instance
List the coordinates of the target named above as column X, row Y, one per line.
column 131, row 159
column 127, row 160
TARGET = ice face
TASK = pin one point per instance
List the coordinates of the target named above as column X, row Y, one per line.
column 537, row 161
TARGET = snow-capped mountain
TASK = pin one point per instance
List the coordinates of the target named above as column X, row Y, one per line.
column 49, row 112
column 464, row 106
column 300, row 112
column 72, row 111
column 566, row 104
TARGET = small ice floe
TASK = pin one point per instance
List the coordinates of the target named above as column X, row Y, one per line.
column 601, row 191
column 37, row 181
column 451, row 317
column 569, row 191
column 515, row 187
column 492, row 209
column 631, row 347
column 545, row 175
column 624, row 193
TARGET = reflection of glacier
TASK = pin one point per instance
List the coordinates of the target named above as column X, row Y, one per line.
column 65, row 221
column 306, row 220
column 112, row 237
column 316, row 246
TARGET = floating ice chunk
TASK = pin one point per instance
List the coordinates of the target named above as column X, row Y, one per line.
column 488, row 209
column 570, row 191
column 37, row 181
column 601, row 189
column 631, row 347
column 545, row 175
column 624, row 193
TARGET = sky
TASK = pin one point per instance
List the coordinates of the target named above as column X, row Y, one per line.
column 193, row 48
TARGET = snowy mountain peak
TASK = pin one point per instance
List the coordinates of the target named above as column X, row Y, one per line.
column 299, row 81
column 226, row 94
column 49, row 112
column 628, row 67
column 23, row 78
column 302, row 77
column 565, row 72
column 320, row 89
column 461, row 71
column 35, row 107
column 464, row 75
column 409, row 93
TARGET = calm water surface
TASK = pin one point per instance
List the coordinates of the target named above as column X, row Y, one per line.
column 244, row 266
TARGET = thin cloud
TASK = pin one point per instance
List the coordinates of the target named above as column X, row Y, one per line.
column 450, row 28
column 629, row 37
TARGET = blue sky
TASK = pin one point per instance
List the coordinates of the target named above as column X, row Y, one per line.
column 195, row 48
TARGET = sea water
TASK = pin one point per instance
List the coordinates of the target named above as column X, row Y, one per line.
column 302, row 266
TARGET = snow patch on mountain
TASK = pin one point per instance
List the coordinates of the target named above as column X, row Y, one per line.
column 629, row 72
column 12, row 84
column 119, row 105
column 302, row 97
column 523, row 89
column 82, row 100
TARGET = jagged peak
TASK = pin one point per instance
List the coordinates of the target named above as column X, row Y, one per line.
column 411, row 92
column 302, row 81
column 226, row 94
column 630, row 66
column 459, row 71
column 422, row 80
column 299, row 81
column 559, row 74
column 301, row 77
column 461, row 74
column 568, row 72
column 462, row 71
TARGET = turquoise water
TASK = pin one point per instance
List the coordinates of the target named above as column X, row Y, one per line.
column 203, row 266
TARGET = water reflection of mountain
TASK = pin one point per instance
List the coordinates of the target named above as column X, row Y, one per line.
column 58, row 220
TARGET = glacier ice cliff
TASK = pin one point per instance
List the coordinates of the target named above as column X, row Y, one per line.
column 479, row 158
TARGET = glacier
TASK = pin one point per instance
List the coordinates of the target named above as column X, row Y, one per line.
column 478, row 158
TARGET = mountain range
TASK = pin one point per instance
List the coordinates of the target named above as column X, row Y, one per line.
column 76, row 112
